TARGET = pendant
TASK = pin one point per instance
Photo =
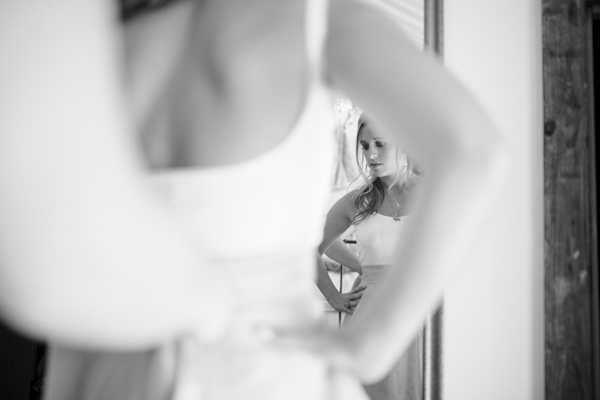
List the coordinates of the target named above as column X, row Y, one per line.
column 396, row 216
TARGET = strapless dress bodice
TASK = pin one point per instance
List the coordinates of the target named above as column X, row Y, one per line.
column 377, row 238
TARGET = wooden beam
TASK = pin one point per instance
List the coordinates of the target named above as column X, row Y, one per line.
column 592, row 55
column 568, row 213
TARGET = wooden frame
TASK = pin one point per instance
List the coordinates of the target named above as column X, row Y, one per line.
column 434, row 332
column 593, row 13
column 570, row 227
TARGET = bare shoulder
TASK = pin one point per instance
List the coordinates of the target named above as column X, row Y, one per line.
column 241, row 59
column 254, row 51
column 339, row 218
column 344, row 207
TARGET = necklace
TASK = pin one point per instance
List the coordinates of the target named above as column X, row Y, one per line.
column 396, row 215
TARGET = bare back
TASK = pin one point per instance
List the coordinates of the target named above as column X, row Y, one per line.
column 237, row 85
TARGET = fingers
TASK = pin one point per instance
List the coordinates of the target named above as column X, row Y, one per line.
column 347, row 302
column 344, row 309
column 350, row 310
column 349, row 306
column 355, row 294
column 342, row 305
column 357, row 289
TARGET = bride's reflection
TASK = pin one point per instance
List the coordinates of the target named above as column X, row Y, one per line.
column 374, row 183
column 377, row 209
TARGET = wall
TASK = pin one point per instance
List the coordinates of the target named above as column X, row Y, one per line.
column 494, row 317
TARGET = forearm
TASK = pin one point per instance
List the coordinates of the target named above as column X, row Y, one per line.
column 339, row 252
column 323, row 281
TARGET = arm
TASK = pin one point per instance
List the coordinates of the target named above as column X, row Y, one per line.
column 337, row 222
column 333, row 296
column 338, row 251
column 71, row 180
column 415, row 102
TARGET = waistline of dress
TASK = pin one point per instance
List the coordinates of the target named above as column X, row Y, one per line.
column 374, row 274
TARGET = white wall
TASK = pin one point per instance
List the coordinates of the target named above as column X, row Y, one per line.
column 494, row 314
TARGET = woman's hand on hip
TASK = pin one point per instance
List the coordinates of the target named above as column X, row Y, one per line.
column 347, row 302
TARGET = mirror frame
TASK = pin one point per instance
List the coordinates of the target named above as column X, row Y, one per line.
column 434, row 332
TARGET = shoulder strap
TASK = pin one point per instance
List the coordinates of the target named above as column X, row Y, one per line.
column 316, row 26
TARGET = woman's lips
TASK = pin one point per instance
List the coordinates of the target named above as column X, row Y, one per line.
column 376, row 165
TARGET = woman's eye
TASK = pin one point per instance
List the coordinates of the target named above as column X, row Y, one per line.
column 379, row 144
column 365, row 146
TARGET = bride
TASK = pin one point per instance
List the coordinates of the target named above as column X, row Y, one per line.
column 164, row 183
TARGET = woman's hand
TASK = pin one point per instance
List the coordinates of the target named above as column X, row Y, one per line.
column 347, row 302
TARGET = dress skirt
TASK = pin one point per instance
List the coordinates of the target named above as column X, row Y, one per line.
column 405, row 381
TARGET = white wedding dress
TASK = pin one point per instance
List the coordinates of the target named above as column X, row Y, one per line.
column 377, row 238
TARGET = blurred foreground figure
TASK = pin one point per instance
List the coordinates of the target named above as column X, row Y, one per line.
column 164, row 186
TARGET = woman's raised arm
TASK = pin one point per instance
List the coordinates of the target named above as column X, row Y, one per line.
column 88, row 254
column 414, row 101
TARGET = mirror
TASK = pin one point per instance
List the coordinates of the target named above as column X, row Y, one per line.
column 422, row 21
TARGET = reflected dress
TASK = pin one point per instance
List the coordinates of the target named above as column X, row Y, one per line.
column 377, row 237
column 259, row 222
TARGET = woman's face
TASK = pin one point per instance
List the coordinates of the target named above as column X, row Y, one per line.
column 380, row 155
